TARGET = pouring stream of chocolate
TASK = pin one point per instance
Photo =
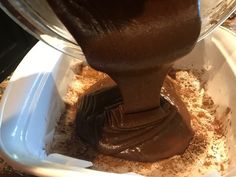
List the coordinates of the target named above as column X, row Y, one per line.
column 135, row 42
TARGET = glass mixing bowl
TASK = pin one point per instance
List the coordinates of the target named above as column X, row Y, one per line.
column 38, row 18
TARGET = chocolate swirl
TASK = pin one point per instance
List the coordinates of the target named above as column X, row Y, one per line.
column 138, row 136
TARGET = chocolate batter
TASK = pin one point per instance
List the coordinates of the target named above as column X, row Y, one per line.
column 135, row 42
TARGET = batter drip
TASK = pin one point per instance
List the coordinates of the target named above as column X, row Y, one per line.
column 135, row 42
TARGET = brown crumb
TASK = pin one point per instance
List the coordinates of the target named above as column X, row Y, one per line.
column 207, row 151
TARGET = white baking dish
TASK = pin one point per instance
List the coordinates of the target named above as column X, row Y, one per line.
column 32, row 103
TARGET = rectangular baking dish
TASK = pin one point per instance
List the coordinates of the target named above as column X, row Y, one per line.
column 32, row 104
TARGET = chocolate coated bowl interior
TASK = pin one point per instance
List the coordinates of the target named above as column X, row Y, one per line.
column 38, row 18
